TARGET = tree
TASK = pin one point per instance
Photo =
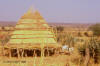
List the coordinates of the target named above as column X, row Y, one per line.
column 86, row 34
column 96, row 29
column 60, row 28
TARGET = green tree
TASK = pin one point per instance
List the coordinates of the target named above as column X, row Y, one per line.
column 96, row 29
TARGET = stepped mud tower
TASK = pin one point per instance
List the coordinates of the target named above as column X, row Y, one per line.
column 31, row 35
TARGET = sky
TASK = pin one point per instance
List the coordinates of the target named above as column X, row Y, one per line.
column 61, row 11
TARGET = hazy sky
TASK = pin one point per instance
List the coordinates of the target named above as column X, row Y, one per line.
column 68, row 11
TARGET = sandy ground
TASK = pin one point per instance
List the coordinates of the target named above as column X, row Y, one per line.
column 57, row 60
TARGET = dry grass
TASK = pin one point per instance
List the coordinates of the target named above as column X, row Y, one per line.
column 59, row 60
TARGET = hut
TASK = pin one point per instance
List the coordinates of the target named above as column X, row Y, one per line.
column 31, row 35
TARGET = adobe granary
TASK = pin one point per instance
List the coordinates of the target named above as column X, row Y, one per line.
column 31, row 37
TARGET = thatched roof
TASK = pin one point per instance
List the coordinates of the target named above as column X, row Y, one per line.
column 32, row 30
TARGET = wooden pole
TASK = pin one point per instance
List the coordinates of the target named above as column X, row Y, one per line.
column 22, row 53
column 55, row 51
column 34, row 53
column 18, row 53
column 9, row 53
column 26, row 53
column 48, row 51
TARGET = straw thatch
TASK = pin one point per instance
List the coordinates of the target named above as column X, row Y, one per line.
column 32, row 31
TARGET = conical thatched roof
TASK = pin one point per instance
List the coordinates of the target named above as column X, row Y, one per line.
column 32, row 31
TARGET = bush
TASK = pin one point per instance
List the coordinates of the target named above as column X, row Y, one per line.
column 94, row 49
column 96, row 29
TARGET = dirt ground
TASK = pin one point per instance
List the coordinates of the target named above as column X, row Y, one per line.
column 57, row 60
